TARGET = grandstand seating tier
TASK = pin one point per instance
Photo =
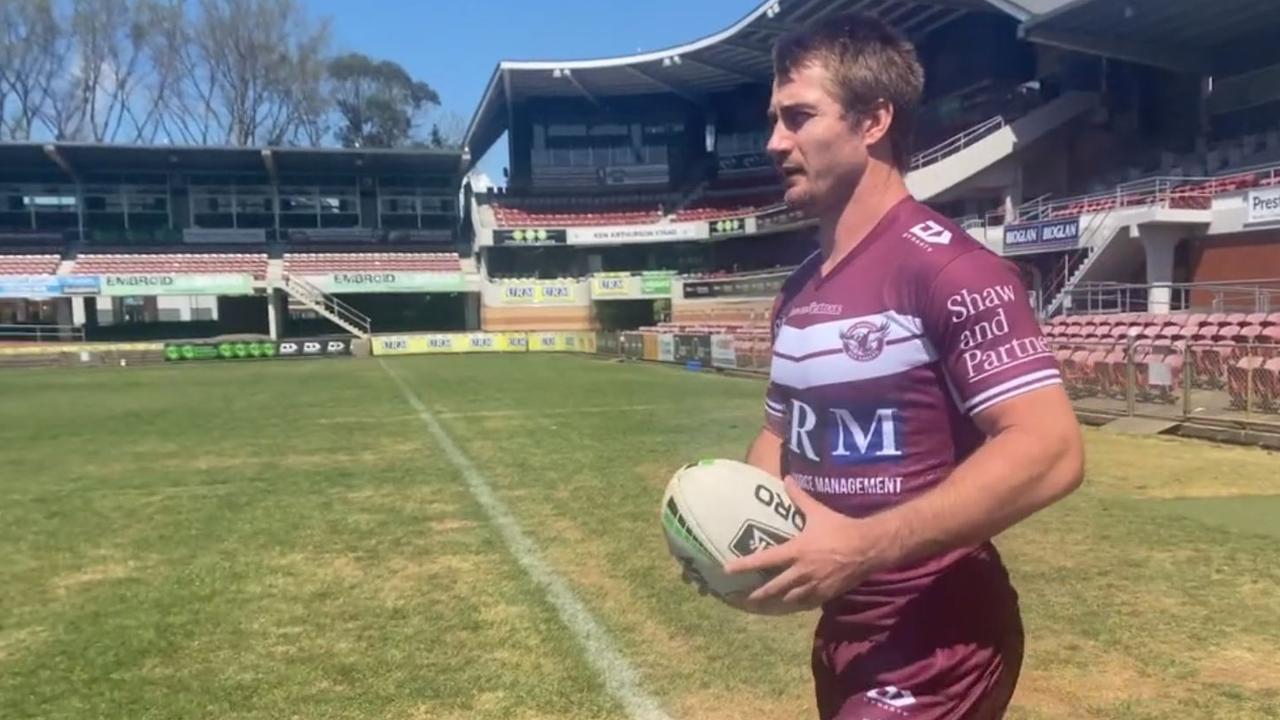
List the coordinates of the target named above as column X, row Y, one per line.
column 29, row 264
column 181, row 264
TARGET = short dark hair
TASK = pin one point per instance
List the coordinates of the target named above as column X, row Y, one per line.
column 868, row 62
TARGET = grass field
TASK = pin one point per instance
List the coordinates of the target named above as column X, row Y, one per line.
column 289, row 540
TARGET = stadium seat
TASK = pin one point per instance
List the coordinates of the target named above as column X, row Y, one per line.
column 29, row 264
column 169, row 263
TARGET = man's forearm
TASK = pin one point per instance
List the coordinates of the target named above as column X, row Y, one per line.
column 1010, row 477
column 766, row 453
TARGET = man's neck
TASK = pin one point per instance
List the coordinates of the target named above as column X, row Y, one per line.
column 842, row 230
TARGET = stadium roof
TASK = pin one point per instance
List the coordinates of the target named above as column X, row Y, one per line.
column 738, row 54
column 1183, row 35
column 1025, row 9
column 77, row 159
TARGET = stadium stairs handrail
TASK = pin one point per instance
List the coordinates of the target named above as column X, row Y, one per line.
column 1259, row 296
column 337, row 310
column 1153, row 189
column 956, row 143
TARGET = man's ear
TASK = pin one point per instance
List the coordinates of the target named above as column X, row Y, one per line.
column 875, row 123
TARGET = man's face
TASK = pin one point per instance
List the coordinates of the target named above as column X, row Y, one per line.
column 819, row 149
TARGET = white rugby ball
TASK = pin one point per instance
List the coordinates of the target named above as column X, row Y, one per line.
column 719, row 509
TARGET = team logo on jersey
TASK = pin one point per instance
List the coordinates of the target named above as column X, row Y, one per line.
column 932, row 233
column 864, row 340
column 892, row 696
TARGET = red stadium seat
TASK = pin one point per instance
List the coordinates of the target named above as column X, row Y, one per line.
column 172, row 263
column 29, row 264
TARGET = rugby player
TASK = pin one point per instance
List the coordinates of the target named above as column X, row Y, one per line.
column 913, row 407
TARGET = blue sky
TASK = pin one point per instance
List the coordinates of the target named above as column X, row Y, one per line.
column 454, row 45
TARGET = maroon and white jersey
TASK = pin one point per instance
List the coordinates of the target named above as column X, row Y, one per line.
column 879, row 366
column 878, row 369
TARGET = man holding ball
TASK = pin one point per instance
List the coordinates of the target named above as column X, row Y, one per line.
column 913, row 407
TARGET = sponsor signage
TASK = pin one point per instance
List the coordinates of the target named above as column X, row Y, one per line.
column 614, row 286
column 689, row 348
column 728, row 227
column 655, row 285
column 723, row 352
column 555, row 292
column 552, row 341
column 82, row 348
column 749, row 287
column 177, row 284
column 80, row 284
column 314, row 347
column 666, row 347
column 1264, row 205
column 34, row 286
column 256, row 349
column 531, row 236
column 388, row 282
column 651, row 232
column 630, row 287
column 207, row 350
column 440, row 343
column 1041, row 236
column 562, row 342
column 30, row 286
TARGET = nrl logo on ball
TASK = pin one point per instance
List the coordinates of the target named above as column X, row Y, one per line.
column 864, row 340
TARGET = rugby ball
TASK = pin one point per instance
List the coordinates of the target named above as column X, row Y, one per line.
column 716, row 510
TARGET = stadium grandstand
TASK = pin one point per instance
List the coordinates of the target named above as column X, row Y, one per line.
column 656, row 163
column 1104, row 147
column 117, row 242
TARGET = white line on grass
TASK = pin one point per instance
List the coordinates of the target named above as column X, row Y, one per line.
column 619, row 677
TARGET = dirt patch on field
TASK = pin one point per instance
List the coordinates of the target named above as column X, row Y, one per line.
column 1093, row 681
column 92, row 575
column 405, row 579
column 15, row 642
column 1250, row 663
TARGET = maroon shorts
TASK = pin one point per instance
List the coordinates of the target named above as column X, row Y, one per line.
column 951, row 653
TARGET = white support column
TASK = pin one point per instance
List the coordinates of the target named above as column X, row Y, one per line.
column 273, row 313
column 1159, row 244
column 77, row 310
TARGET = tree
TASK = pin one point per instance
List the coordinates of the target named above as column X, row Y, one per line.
column 98, row 64
column 449, row 131
column 240, row 72
column 32, row 53
column 378, row 102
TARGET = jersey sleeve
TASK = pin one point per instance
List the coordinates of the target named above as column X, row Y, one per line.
column 775, row 403
column 979, row 319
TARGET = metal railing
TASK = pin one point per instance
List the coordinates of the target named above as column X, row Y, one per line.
column 1170, row 192
column 1095, row 237
column 1225, row 383
column 41, row 333
column 956, row 143
column 328, row 305
column 1260, row 296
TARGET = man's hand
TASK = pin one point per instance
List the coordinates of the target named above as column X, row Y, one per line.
column 831, row 556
